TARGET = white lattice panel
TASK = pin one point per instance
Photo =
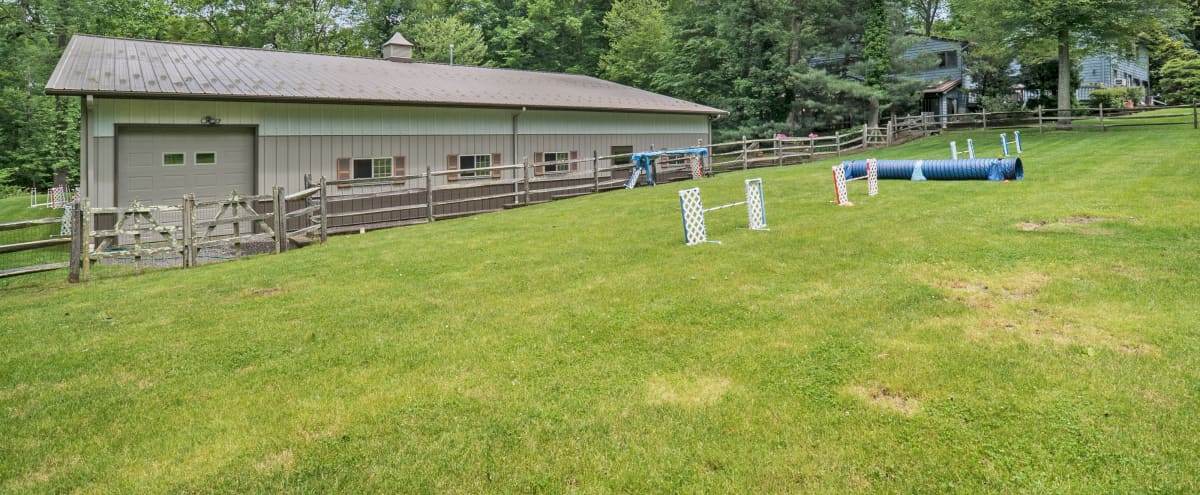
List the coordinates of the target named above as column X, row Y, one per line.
column 697, row 166
column 872, row 177
column 755, row 206
column 839, row 184
column 693, row 216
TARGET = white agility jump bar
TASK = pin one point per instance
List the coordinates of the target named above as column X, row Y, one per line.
column 692, row 209
column 840, row 180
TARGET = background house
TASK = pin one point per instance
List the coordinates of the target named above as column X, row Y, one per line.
column 948, row 85
column 160, row 120
column 1111, row 69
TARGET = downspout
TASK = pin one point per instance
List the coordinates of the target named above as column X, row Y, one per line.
column 514, row 133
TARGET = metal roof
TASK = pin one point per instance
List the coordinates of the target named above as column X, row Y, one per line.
column 103, row 66
column 942, row 87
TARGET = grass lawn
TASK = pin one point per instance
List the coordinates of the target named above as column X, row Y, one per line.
column 17, row 208
column 946, row 337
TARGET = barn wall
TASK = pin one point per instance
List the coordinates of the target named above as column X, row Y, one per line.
column 298, row 139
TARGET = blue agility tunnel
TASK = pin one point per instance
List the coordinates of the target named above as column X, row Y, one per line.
column 974, row 169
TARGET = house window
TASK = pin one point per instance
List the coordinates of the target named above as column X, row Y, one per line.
column 556, row 156
column 366, row 168
column 172, row 159
column 468, row 162
column 622, row 150
column 206, row 158
column 948, row 60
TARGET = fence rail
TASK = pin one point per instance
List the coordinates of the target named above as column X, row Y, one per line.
column 35, row 262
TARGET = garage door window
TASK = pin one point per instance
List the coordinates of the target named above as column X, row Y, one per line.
column 172, row 159
column 366, row 168
column 206, row 158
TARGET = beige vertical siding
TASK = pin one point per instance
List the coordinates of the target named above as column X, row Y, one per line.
column 298, row 139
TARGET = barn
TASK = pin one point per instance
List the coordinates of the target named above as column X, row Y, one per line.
column 163, row 119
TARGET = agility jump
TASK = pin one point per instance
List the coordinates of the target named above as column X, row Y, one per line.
column 840, row 171
column 693, row 211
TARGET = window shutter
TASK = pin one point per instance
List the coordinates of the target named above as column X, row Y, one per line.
column 496, row 174
column 538, row 169
column 343, row 170
column 452, row 164
column 398, row 169
column 574, row 161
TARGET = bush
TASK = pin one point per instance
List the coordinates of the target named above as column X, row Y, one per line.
column 1109, row 98
column 1180, row 83
column 1003, row 103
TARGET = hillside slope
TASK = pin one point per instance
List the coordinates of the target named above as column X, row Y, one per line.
column 1034, row 336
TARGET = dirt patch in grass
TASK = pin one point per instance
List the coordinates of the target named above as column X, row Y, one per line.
column 277, row 461
column 984, row 293
column 261, row 292
column 48, row 470
column 886, row 398
column 1073, row 224
column 687, row 390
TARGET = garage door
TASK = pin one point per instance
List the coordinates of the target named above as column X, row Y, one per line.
column 159, row 165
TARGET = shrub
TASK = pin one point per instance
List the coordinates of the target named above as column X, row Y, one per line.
column 1109, row 98
column 1180, row 83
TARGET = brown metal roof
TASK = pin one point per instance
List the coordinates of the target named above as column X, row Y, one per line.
column 102, row 66
column 942, row 87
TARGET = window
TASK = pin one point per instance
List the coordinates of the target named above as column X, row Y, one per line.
column 366, row 168
column 622, row 150
column 556, row 156
column 172, row 159
column 468, row 162
column 206, row 158
column 948, row 60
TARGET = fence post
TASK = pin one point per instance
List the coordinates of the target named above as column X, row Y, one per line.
column 837, row 140
column 85, row 252
column 863, row 145
column 76, row 241
column 429, row 194
column 778, row 152
column 891, row 130
column 595, row 172
column 525, row 174
column 324, row 211
column 745, row 154
column 1195, row 116
column 1102, row 117
column 187, row 215
column 281, row 239
column 1039, row 119
column 984, row 112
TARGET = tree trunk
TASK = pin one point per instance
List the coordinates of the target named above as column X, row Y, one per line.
column 793, row 118
column 1064, row 80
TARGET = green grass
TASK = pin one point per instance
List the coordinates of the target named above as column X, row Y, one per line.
column 17, row 208
column 964, row 337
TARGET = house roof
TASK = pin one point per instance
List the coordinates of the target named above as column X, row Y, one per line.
column 942, row 87
column 119, row 67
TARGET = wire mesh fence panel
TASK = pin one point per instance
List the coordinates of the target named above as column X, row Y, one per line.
column 19, row 247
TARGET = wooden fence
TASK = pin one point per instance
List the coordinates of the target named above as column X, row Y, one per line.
column 176, row 235
column 22, row 268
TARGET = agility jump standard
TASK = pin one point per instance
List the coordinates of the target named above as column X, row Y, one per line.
column 1005, row 142
column 970, row 149
column 692, row 209
column 840, row 180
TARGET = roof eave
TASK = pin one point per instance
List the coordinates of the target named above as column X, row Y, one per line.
column 359, row 101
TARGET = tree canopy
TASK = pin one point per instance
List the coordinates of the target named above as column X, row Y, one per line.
column 775, row 65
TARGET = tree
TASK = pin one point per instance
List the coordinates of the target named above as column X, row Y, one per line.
column 434, row 39
column 1180, row 82
column 638, row 41
column 1065, row 25
column 927, row 13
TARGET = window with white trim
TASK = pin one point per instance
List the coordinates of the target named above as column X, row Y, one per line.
column 173, row 159
column 550, row 157
column 366, row 168
column 468, row 162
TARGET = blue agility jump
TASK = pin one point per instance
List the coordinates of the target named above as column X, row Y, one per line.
column 995, row 169
column 643, row 163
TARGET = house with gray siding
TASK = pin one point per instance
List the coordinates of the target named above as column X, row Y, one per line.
column 162, row 119
column 1114, row 70
column 944, row 71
